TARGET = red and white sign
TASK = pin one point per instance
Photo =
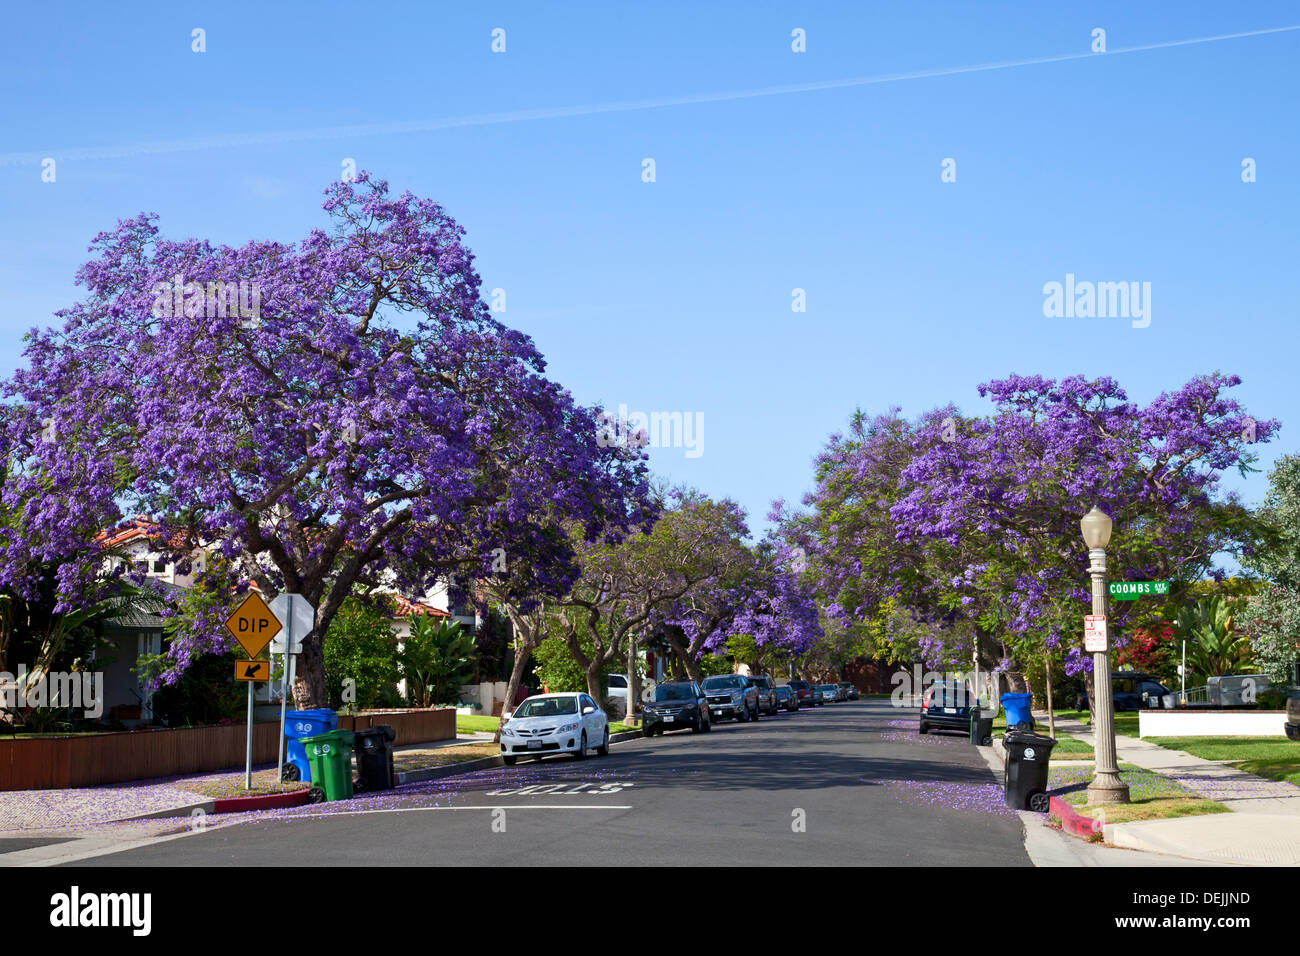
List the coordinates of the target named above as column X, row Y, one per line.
column 1094, row 633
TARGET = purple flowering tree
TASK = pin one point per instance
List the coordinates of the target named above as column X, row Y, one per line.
column 329, row 415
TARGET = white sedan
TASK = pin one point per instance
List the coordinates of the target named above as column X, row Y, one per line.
column 554, row 723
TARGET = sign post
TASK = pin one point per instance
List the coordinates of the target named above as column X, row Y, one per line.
column 299, row 618
column 253, row 626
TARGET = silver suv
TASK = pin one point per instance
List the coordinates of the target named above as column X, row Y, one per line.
column 731, row 695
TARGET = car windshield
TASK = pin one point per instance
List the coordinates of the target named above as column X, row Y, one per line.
column 725, row 682
column 547, row 707
column 761, row 682
column 798, row 684
column 674, row 692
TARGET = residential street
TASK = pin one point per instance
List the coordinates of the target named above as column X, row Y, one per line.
column 873, row 792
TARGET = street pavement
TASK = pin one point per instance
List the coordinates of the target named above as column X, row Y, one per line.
column 848, row 783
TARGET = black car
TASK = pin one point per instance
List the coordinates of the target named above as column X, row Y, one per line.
column 1131, row 690
column 947, row 705
column 786, row 698
column 676, row 706
column 1293, row 715
column 850, row 689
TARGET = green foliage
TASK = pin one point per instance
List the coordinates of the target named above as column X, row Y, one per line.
column 205, row 693
column 556, row 668
column 1213, row 645
column 436, row 660
column 711, row 664
column 1272, row 619
column 360, row 646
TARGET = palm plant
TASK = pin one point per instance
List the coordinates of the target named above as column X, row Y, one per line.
column 1214, row 646
column 436, row 660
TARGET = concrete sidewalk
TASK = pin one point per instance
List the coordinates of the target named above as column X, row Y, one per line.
column 92, row 806
column 1262, row 830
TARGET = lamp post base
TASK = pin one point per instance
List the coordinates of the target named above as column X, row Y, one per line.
column 1107, row 788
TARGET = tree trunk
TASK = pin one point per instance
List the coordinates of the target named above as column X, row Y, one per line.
column 309, row 690
column 522, row 653
column 592, row 671
column 1051, row 714
column 633, row 683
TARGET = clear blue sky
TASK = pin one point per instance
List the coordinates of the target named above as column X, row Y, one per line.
column 675, row 295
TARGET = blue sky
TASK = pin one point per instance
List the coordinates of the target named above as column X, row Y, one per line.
column 675, row 295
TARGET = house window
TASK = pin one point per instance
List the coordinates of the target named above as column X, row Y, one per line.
column 160, row 565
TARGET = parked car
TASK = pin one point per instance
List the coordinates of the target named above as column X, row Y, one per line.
column 787, row 698
column 808, row 693
column 554, row 723
column 731, row 695
column 766, row 692
column 946, row 704
column 1131, row 690
column 1293, row 715
column 676, row 706
column 830, row 692
column 850, row 690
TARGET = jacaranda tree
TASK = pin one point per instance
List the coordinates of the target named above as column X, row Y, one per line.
column 328, row 413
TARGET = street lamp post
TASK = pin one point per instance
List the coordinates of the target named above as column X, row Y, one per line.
column 1106, row 786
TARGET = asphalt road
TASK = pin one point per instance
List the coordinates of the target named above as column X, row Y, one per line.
column 848, row 783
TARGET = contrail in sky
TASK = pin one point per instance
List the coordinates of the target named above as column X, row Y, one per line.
column 592, row 109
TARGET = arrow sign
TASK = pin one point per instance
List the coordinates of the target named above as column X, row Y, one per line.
column 253, row 670
column 253, row 624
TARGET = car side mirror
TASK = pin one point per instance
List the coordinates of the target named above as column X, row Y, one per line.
column 588, row 710
column 506, row 715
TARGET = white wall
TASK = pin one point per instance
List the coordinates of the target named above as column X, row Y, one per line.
column 1209, row 723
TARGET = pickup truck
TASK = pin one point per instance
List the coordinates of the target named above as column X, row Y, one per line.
column 766, row 693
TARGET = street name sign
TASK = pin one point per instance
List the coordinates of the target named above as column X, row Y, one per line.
column 253, row 670
column 1094, row 633
column 253, row 624
column 1132, row 590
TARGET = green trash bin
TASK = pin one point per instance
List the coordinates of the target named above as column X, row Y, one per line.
column 330, row 758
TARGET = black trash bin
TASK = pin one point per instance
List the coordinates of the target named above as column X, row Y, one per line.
column 981, row 728
column 374, row 752
column 1028, row 754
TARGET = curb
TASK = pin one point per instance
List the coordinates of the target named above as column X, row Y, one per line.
column 483, row 763
column 267, row 801
column 1074, row 823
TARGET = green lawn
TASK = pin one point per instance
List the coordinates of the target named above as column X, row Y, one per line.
column 1152, row 796
column 1274, row 757
column 473, row 723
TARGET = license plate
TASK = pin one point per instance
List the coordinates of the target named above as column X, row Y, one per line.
column 669, row 720
column 534, row 745
column 941, row 710
column 716, row 710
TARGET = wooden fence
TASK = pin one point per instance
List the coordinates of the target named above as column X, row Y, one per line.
column 53, row 763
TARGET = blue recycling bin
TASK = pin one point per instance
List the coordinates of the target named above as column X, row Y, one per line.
column 297, row 725
column 1016, row 707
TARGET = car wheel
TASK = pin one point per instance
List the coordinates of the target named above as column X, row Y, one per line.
column 708, row 725
column 647, row 732
column 508, row 760
column 758, row 712
column 698, row 726
column 603, row 749
column 922, row 728
column 581, row 752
